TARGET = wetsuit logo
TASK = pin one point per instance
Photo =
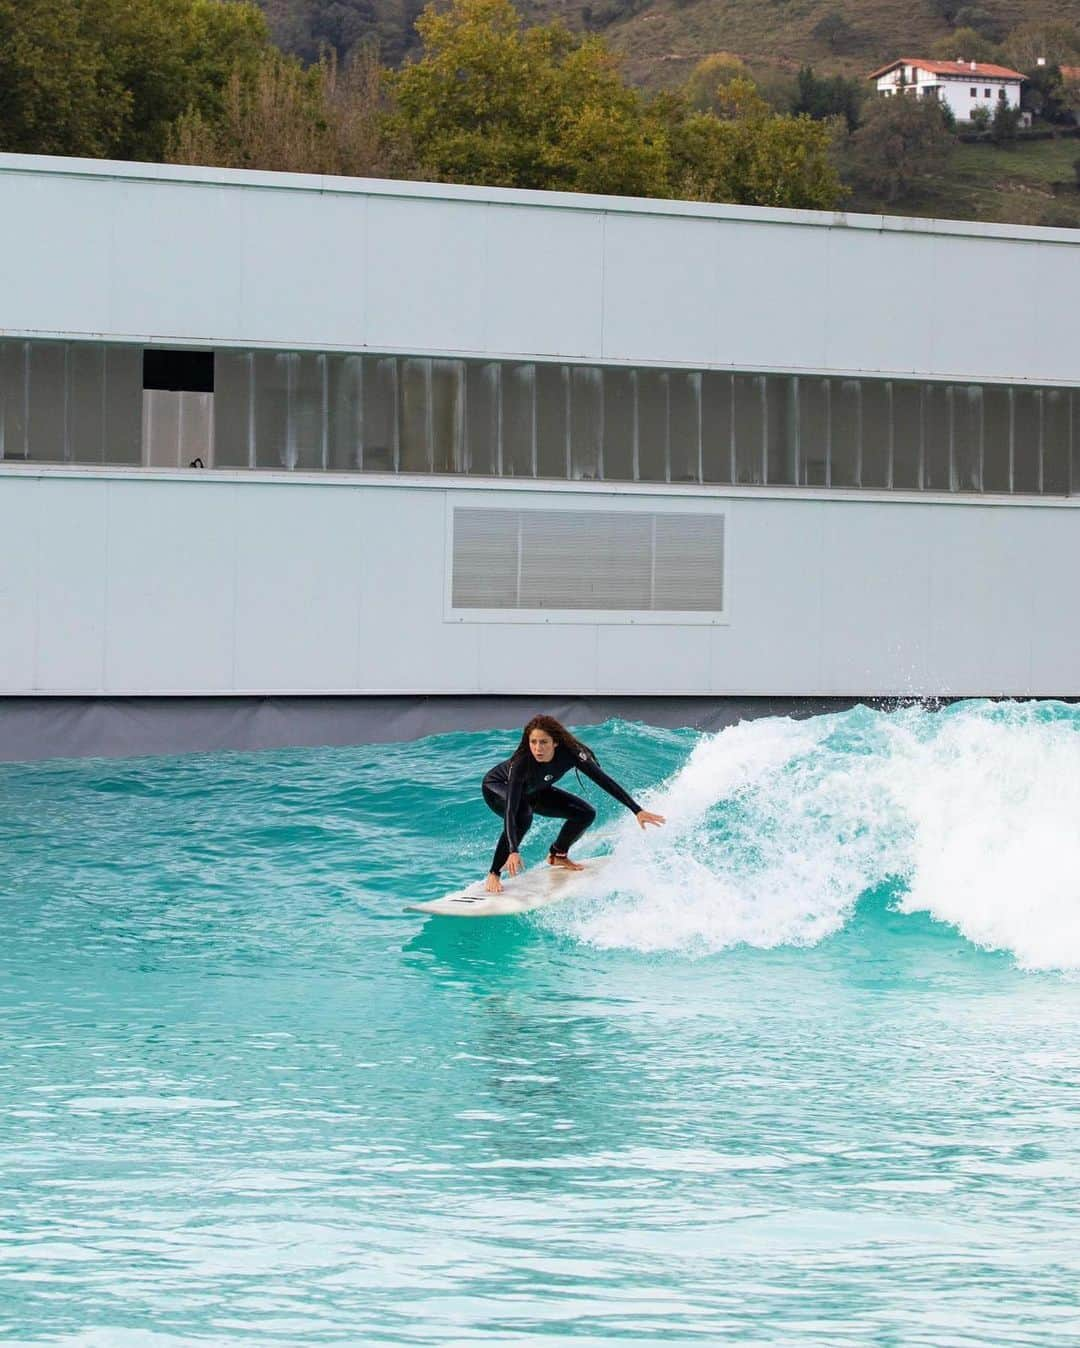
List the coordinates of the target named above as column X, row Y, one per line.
column 549, row 777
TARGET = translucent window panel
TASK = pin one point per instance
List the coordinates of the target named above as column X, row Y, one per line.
column 1074, row 481
column 233, row 411
column 749, row 422
column 813, row 395
column 272, row 379
column 47, row 401
column 1027, row 439
column 414, row 422
column 652, row 425
column 684, row 426
column 14, row 372
column 123, row 404
column 586, row 423
column 997, row 433
column 781, row 430
column 1056, row 441
column 937, row 469
column 161, row 428
column 344, row 413
column 177, row 428
column 845, row 432
column 86, row 392
column 482, row 419
column 967, row 434
column 716, row 443
column 306, row 447
column 907, row 436
column 552, row 421
column 519, row 420
column 876, row 434
column 620, row 425
column 380, row 414
column 448, row 416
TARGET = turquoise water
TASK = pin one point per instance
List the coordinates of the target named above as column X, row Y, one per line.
column 807, row 1075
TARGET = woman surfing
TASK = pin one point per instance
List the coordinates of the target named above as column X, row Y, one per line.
column 524, row 786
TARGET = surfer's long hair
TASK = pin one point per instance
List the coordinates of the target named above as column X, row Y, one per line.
column 558, row 733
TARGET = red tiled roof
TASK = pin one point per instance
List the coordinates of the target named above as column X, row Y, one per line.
column 960, row 69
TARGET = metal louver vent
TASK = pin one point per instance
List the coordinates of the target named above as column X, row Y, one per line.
column 588, row 560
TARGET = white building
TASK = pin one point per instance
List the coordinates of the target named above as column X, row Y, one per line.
column 472, row 442
column 963, row 86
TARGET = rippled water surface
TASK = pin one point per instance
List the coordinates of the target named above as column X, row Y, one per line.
column 805, row 1074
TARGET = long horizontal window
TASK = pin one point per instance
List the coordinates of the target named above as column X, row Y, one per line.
column 85, row 402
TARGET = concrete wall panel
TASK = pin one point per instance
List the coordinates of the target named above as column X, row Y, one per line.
column 217, row 585
column 170, row 578
column 72, row 587
column 158, row 252
column 20, row 506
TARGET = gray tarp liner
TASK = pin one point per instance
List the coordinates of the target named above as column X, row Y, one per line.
column 81, row 727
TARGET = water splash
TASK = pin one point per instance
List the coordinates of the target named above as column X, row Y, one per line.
column 778, row 827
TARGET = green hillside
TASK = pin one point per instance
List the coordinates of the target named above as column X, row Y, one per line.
column 1030, row 181
column 660, row 40
column 1009, row 185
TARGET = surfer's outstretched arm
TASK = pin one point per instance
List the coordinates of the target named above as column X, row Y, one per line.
column 592, row 769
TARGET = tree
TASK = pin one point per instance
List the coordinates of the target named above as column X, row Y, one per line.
column 329, row 118
column 57, row 95
column 170, row 55
column 1004, row 123
column 945, row 9
column 982, row 21
column 490, row 101
column 753, row 157
column 980, row 117
column 107, row 77
column 835, row 31
column 709, row 77
column 902, row 145
column 830, row 96
column 964, row 44
column 1054, row 43
column 1044, row 95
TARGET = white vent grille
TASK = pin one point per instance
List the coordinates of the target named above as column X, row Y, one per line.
column 588, row 560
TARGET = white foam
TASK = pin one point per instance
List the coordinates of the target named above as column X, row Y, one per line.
column 777, row 827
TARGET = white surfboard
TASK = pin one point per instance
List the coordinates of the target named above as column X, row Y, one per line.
column 535, row 888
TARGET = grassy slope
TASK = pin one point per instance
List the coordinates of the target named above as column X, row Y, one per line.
column 661, row 43
column 987, row 183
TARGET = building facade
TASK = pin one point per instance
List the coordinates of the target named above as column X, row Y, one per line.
column 963, row 87
column 270, row 434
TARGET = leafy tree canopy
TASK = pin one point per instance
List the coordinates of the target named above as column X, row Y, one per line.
column 750, row 156
column 107, row 77
column 490, row 101
column 703, row 89
column 901, row 146
column 1056, row 43
column 965, row 44
column 832, row 96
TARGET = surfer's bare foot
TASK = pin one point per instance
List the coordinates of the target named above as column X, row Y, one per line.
column 554, row 859
column 493, row 885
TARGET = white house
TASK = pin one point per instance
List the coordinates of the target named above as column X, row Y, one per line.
column 962, row 85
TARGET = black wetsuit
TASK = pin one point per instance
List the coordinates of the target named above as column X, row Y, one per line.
column 522, row 787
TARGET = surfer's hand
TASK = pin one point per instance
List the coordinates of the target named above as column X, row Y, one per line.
column 493, row 885
column 513, row 863
column 647, row 817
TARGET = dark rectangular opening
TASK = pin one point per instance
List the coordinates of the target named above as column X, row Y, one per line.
column 180, row 371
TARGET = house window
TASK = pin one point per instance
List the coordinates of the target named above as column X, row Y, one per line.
column 986, row 93
column 1001, row 94
column 974, row 93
